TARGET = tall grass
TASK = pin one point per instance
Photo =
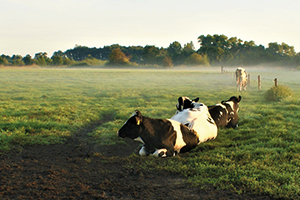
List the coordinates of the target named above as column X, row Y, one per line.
column 261, row 156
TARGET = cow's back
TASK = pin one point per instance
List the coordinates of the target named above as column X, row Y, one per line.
column 200, row 121
column 205, row 127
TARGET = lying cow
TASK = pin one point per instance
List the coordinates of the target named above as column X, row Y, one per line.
column 241, row 79
column 224, row 114
column 185, row 102
column 198, row 119
column 161, row 137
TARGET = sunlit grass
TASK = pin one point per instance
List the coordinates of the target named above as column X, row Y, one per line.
column 261, row 156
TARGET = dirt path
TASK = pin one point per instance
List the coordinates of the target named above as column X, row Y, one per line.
column 72, row 171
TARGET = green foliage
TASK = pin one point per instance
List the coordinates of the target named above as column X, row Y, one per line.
column 167, row 62
column 57, row 60
column 278, row 93
column 3, row 60
column 117, row 58
column 27, row 60
column 196, row 59
column 214, row 49
column 88, row 62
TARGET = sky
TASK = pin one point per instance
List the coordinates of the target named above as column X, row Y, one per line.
column 33, row 26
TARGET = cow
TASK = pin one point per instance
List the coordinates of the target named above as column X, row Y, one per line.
column 241, row 79
column 161, row 137
column 199, row 120
column 185, row 102
column 224, row 114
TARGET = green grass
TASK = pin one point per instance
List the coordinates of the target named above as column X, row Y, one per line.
column 261, row 156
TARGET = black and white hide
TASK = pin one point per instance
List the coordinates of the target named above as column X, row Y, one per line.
column 225, row 114
column 161, row 137
column 185, row 102
column 199, row 120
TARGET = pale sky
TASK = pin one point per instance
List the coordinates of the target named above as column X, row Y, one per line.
column 33, row 26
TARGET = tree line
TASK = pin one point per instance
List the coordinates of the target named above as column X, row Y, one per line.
column 214, row 50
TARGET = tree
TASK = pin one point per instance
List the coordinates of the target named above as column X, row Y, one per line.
column 67, row 61
column 167, row 62
column 3, row 60
column 16, row 60
column 150, row 54
column 59, row 53
column 188, row 49
column 27, row 60
column 117, row 57
column 42, row 59
column 196, row 59
column 174, row 51
column 215, row 47
column 57, row 60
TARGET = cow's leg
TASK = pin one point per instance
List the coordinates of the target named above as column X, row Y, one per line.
column 245, row 86
column 143, row 151
column 241, row 86
column 160, row 153
column 163, row 153
column 238, row 84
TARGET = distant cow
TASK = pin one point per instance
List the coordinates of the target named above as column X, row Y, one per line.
column 224, row 114
column 161, row 137
column 198, row 119
column 241, row 79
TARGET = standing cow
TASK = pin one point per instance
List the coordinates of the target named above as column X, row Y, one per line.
column 198, row 118
column 224, row 114
column 161, row 137
column 241, row 79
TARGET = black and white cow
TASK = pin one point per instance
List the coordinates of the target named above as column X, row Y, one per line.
column 185, row 102
column 198, row 119
column 161, row 137
column 224, row 114
column 241, row 79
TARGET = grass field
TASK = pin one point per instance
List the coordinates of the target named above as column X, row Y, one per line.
column 44, row 106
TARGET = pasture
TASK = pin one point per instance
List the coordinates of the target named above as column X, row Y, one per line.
column 44, row 106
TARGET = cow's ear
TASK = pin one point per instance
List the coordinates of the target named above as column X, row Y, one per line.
column 137, row 113
column 180, row 101
column 196, row 100
column 240, row 98
column 179, row 106
column 138, row 117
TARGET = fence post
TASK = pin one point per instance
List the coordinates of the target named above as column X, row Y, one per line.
column 259, row 83
column 248, row 80
column 222, row 71
column 276, row 82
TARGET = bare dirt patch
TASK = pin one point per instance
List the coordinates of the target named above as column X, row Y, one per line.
column 81, row 169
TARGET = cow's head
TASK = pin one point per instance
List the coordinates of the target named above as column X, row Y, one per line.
column 185, row 102
column 132, row 126
column 232, row 106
